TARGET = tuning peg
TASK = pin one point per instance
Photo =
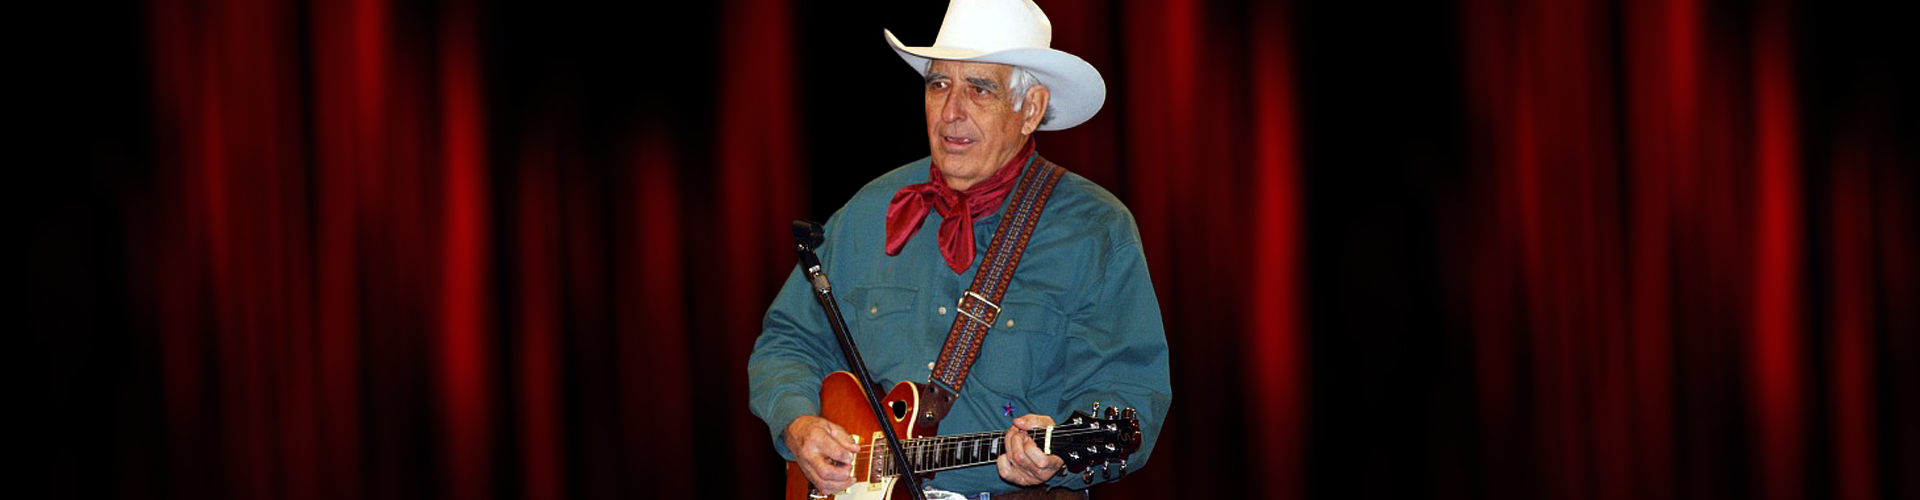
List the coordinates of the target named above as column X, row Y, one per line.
column 1112, row 412
column 1123, row 467
column 1096, row 408
column 1087, row 477
column 1105, row 473
column 1128, row 414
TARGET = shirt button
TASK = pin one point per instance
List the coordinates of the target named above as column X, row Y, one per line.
column 943, row 310
column 929, row 365
column 1009, row 322
column 873, row 309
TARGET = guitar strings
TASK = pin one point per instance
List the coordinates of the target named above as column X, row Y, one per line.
column 954, row 441
column 933, row 450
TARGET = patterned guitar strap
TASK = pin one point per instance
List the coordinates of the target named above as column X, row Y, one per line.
column 979, row 305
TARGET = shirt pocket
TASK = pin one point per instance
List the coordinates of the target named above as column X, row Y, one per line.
column 1021, row 349
column 884, row 324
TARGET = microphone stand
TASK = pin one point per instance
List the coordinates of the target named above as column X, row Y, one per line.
column 810, row 235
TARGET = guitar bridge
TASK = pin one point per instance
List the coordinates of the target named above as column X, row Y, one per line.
column 876, row 471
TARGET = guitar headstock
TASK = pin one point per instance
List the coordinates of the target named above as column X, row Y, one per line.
column 1085, row 441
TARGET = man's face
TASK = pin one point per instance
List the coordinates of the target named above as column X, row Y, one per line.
column 971, row 124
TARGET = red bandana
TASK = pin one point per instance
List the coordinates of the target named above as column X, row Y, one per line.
column 958, row 209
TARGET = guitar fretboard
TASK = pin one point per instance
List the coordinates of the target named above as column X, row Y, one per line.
column 938, row 453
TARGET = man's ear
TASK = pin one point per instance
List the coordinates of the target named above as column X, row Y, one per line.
column 1035, row 109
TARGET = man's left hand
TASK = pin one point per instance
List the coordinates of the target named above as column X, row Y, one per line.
column 1025, row 463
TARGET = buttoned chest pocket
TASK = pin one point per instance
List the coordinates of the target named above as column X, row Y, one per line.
column 884, row 324
column 1021, row 349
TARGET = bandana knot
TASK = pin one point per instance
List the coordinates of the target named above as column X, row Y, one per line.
column 958, row 209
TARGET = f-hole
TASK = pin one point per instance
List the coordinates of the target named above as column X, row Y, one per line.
column 899, row 409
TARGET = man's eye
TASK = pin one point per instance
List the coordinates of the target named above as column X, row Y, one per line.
column 937, row 85
column 980, row 91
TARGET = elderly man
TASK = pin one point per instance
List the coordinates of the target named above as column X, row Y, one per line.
column 1078, row 323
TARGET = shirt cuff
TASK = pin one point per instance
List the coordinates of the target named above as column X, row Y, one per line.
column 786, row 409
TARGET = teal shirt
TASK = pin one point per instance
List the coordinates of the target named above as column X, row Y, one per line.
column 1079, row 322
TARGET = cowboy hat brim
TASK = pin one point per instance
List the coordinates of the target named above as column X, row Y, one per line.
column 1077, row 89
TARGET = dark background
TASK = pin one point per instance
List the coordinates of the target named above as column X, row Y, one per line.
column 1469, row 249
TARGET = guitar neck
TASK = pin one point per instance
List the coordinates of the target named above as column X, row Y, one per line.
column 954, row 451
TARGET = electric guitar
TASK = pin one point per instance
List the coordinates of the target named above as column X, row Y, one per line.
column 1083, row 441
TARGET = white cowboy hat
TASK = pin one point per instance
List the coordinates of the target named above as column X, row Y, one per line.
column 1013, row 32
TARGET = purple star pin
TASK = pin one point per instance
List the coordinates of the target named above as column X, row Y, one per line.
column 1008, row 409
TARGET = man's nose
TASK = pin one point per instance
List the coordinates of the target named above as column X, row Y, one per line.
column 951, row 109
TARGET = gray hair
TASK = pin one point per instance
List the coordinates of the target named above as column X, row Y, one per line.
column 1018, row 82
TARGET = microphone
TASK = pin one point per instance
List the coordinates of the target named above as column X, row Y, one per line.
column 808, row 235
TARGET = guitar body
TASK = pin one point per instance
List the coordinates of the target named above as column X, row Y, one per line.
column 1083, row 441
column 842, row 403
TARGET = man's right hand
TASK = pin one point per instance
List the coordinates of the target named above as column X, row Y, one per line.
column 824, row 451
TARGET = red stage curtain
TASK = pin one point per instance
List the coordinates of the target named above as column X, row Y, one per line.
column 1658, row 309
column 401, row 250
